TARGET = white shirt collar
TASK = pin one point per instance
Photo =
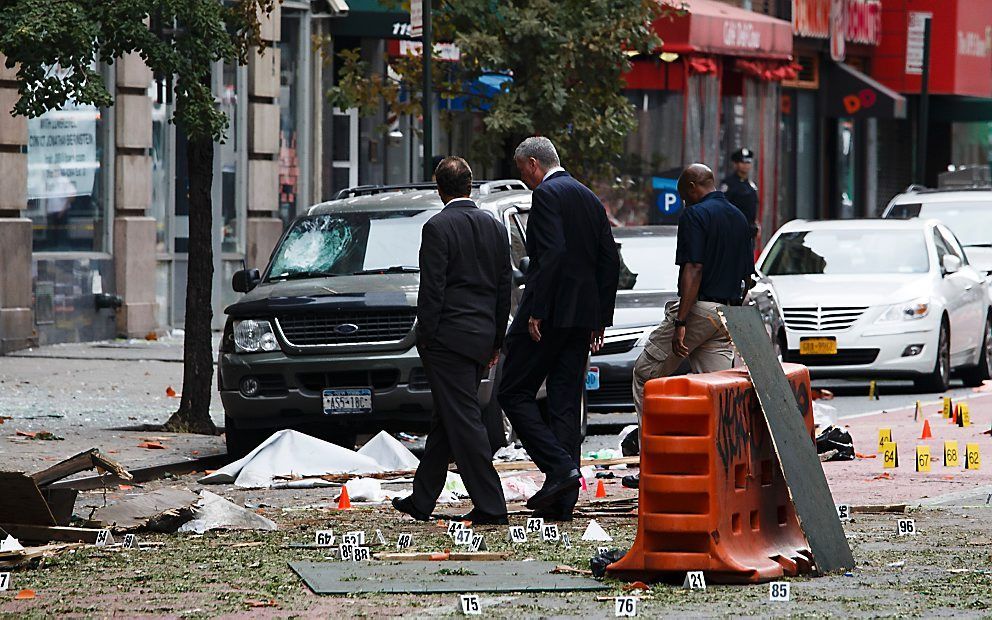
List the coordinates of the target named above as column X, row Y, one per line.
column 457, row 199
column 552, row 171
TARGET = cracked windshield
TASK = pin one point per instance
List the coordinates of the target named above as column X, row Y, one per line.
column 352, row 243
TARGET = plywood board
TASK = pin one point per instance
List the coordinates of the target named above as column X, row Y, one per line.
column 22, row 501
column 797, row 454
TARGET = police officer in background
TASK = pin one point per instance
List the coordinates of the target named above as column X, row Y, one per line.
column 740, row 190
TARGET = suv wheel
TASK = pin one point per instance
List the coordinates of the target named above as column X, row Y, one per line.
column 975, row 376
column 241, row 441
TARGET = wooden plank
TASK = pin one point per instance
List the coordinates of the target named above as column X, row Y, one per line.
column 454, row 556
column 13, row 559
column 796, row 453
column 145, row 474
column 81, row 462
column 22, row 501
column 530, row 465
column 43, row 533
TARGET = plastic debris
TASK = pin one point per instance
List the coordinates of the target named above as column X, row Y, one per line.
column 511, row 453
column 518, row 488
column 824, row 415
column 836, row 440
column 10, row 544
column 600, row 561
column 594, row 531
column 630, row 441
column 385, row 450
column 365, row 490
column 213, row 512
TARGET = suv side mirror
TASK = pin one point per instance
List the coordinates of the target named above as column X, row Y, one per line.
column 520, row 273
column 245, row 279
column 951, row 264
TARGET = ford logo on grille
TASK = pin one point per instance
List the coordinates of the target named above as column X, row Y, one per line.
column 346, row 329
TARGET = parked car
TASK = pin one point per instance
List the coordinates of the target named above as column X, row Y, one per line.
column 323, row 340
column 967, row 212
column 651, row 281
column 881, row 298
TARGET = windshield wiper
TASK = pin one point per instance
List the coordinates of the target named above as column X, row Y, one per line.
column 393, row 269
column 978, row 245
column 301, row 275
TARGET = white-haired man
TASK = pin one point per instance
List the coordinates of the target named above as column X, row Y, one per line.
column 571, row 290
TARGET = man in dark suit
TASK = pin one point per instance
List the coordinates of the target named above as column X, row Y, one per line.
column 462, row 310
column 571, row 290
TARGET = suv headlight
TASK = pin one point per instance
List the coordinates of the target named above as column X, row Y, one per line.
column 916, row 309
column 252, row 336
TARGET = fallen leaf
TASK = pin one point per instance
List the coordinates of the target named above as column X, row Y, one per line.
column 171, row 393
column 885, row 476
column 865, row 456
column 269, row 603
column 637, row 585
column 24, row 595
column 151, row 445
column 151, row 336
column 125, row 487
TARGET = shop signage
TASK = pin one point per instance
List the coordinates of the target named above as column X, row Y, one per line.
column 914, row 41
column 741, row 35
column 442, row 51
column 977, row 45
column 62, row 157
column 837, row 30
column 862, row 19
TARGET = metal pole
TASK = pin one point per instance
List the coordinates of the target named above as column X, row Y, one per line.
column 923, row 118
column 428, row 103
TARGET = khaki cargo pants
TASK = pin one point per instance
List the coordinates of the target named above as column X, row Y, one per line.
column 709, row 346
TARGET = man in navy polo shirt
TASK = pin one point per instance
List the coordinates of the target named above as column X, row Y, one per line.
column 713, row 252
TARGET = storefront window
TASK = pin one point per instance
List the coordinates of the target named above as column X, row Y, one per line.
column 653, row 151
column 66, row 200
column 289, row 93
column 702, row 119
column 160, row 171
column 228, row 154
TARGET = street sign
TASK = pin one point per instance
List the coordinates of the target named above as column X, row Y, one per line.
column 416, row 19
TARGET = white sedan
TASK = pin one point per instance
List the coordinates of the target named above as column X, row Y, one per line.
column 881, row 298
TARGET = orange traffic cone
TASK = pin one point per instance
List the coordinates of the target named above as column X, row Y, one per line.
column 926, row 430
column 344, row 502
column 600, row 489
column 955, row 414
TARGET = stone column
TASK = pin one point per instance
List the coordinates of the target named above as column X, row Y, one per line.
column 16, row 306
column 134, row 231
column 263, row 224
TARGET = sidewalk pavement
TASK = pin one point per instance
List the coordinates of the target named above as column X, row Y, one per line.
column 864, row 481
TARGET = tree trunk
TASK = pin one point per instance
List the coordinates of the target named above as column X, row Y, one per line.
column 193, row 415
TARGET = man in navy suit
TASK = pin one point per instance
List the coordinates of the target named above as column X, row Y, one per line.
column 571, row 289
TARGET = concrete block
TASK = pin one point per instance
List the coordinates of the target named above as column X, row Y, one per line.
column 135, row 320
column 5, row 73
column 15, row 258
column 16, row 329
column 133, row 121
column 134, row 258
column 13, row 129
column 263, row 128
column 263, row 235
column 13, row 181
column 132, row 72
column 270, row 26
column 263, row 185
column 133, row 182
column 263, row 73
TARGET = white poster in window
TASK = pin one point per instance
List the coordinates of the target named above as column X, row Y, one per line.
column 62, row 154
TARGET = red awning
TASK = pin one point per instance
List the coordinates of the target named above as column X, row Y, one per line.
column 712, row 27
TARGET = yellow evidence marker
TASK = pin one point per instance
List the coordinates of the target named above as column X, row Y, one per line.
column 951, row 454
column 947, row 407
column 884, row 437
column 922, row 458
column 890, row 455
column 972, row 459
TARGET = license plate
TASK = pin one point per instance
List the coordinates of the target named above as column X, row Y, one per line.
column 592, row 379
column 357, row 400
column 818, row 346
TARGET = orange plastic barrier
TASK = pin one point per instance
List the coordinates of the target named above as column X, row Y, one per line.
column 712, row 494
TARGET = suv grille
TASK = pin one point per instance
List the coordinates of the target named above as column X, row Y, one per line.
column 379, row 380
column 319, row 328
column 612, row 393
column 819, row 319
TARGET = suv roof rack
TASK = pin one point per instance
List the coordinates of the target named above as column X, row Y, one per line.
column 484, row 187
column 919, row 189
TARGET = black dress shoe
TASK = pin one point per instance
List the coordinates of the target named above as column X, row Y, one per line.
column 406, row 506
column 631, row 482
column 483, row 518
column 554, row 487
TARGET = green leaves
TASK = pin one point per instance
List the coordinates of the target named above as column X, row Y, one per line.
column 58, row 43
column 566, row 58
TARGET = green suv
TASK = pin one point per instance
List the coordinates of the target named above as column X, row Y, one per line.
column 323, row 339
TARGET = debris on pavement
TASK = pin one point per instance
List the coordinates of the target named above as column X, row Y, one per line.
column 511, row 453
column 10, row 544
column 601, row 560
column 630, row 441
column 213, row 512
column 162, row 510
column 518, row 488
column 40, row 435
column 835, row 442
column 288, row 452
column 389, row 453
column 27, row 555
column 594, row 531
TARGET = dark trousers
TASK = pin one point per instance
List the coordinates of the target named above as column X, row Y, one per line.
column 456, row 430
column 553, row 439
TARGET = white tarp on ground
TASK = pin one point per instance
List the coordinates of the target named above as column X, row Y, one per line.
column 213, row 512
column 289, row 452
column 387, row 451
